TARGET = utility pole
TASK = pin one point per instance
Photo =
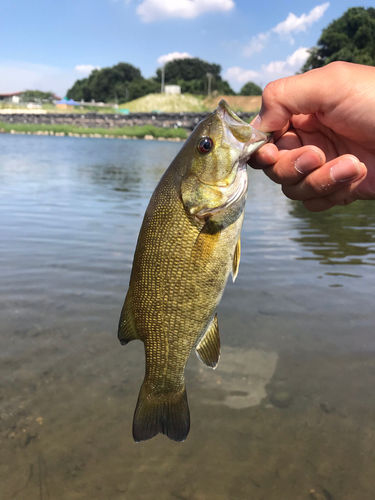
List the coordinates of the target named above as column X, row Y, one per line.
column 162, row 79
column 209, row 76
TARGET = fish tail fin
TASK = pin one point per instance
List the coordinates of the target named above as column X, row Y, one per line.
column 161, row 413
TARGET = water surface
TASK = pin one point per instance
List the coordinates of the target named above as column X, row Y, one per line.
column 288, row 414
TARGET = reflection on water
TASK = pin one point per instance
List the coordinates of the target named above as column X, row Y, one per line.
column 338, row 236
column 288, row 414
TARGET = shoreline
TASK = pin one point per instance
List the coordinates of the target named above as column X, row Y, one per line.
column 147, row 137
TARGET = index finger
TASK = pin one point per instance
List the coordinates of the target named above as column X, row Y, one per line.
column 312, row 92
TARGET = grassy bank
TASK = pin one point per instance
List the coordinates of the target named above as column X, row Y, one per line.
column 146, row 131
column 174, row 103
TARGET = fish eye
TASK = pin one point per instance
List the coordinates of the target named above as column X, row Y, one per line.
column 205, row 145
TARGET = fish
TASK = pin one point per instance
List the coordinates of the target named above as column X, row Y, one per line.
column 188, row 245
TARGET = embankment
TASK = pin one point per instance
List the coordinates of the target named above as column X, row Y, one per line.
column 112, row 121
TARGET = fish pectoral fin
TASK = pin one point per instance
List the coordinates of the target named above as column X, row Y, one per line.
column 236, row 260
column 208, row 349
column 127, row 329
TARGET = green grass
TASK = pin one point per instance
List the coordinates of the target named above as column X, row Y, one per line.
column 136, row 131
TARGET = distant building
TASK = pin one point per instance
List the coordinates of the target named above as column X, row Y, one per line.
column 172, row 89
column 16, row 97
column 13, row 97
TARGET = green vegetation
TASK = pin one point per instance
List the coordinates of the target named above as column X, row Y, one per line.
column 37, row 96
column 120, row 83
column 191, row 75
column 123, row 82
column 251, row 88
column 166, row 103
column 350, row 38
column 135, row 131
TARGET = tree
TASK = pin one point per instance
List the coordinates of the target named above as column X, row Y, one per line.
column 350, row 38
column 191, row 75
column 251, row 88
column 37, row 96
column 123, row 82
column 106, row 85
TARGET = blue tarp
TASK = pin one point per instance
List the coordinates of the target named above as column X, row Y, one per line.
column 70, row 102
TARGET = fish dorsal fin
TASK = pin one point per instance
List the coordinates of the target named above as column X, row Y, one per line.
column 208, row 349
column 236, row 260
column 127, row 330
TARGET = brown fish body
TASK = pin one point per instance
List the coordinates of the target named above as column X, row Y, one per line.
column 181, row 265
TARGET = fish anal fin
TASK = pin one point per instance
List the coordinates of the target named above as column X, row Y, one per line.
column 127, row 329
column 236, row 260
column 161, row 413
column 208, row 348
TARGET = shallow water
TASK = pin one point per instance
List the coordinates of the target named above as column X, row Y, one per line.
column 288, row 414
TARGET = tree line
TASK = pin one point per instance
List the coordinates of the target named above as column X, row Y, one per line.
column 124, row 82
column 350, row 38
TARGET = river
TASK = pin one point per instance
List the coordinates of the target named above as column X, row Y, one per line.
column 288, row 414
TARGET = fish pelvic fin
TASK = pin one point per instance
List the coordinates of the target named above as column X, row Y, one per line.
column 236, row 260
column 127, row 329
column 161, row 413
column 208, row 348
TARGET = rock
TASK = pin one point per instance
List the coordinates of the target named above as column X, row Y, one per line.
column 321, row 494
column 27, row 438
column 281, row 399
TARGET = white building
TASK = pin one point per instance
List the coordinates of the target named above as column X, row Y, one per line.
column 172, row 89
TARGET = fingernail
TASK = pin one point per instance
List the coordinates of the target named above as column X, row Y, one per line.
column 345, row 170
column 307, row 162
column 257, row 122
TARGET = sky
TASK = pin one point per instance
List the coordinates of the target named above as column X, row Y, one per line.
column 48, row 45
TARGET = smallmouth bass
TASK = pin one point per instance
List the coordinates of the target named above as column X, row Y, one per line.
column 188, row 244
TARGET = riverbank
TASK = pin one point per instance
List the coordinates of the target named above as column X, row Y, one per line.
column 187, row 121
column 129, row 132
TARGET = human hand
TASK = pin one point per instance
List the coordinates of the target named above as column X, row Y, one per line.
column 324, row 150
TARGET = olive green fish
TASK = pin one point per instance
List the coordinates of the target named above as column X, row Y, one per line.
column 188, row 244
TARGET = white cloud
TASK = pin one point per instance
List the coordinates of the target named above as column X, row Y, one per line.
column 256, row 44
column 293, row 24
column 298, row 58
column 17, row 76
column 172, row 56
column 155, row 10
column 237, row 76
column 86, row 68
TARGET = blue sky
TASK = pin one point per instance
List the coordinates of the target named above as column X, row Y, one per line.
column 47, row 45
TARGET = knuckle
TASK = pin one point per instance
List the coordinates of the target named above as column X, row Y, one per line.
column 316, row 187
column 273, row 90
column 317, row 205
column 339, row 68
column 341, row 198
column 291, row 192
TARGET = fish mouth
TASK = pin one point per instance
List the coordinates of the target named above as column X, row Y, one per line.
column 228, row 114
column 239, row 134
